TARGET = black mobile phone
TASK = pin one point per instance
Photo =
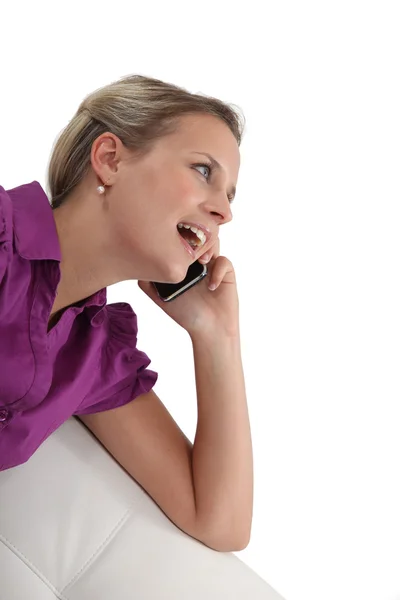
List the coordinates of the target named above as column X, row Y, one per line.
column 169, row 291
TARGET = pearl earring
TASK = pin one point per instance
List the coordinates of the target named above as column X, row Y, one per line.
column 101, row 189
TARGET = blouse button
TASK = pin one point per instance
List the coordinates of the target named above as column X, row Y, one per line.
column 3, row 414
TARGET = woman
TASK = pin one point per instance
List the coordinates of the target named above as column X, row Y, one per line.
column 139, row 158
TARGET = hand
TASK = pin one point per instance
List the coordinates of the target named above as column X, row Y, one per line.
column 201, row 310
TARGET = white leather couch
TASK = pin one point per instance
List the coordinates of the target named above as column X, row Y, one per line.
column 75, row 526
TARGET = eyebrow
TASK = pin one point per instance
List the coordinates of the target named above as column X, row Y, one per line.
column 217, row 166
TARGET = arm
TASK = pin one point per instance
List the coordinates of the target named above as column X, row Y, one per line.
column 222, row 453
column 205, row 489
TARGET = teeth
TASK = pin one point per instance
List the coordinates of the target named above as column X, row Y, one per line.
column 200, row 234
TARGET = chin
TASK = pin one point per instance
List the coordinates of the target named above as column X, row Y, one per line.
column 174, row 273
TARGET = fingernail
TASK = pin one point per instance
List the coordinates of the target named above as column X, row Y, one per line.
column 204, row 259
column 212, row 286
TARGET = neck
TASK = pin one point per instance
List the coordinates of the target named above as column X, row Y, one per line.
column 85, row 261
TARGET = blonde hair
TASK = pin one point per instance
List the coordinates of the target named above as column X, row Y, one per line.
column 139, row 110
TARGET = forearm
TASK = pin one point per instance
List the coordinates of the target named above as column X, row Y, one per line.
column 222, row 459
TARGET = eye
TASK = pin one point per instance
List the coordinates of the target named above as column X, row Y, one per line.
column 207, row 166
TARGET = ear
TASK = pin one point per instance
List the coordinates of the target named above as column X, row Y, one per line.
column 106, row 153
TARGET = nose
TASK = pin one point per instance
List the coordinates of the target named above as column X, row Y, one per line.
column 220, row 207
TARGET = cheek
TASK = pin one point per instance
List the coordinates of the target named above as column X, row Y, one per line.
column 160, row 195
column 170, row 199
column 183, row 193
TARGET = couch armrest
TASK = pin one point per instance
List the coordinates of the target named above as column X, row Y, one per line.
column 75, row 526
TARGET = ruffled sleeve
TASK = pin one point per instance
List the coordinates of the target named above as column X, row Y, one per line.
column 6, row 232
column 122, row 374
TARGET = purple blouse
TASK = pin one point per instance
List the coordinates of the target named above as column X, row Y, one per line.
column 87, row 363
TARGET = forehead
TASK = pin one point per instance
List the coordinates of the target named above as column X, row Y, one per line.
column 206, row 133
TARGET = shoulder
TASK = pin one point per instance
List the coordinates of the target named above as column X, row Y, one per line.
column 123, row 372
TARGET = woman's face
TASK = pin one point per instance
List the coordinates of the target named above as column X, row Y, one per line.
column 173, row 184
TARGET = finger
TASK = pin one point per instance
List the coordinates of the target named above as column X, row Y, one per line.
column 212, row 252
column 221, row 266
column 216, row 248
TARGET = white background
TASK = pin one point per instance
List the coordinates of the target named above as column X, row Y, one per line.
column 314, row 240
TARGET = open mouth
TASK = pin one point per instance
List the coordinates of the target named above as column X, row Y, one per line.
column 195, row 237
